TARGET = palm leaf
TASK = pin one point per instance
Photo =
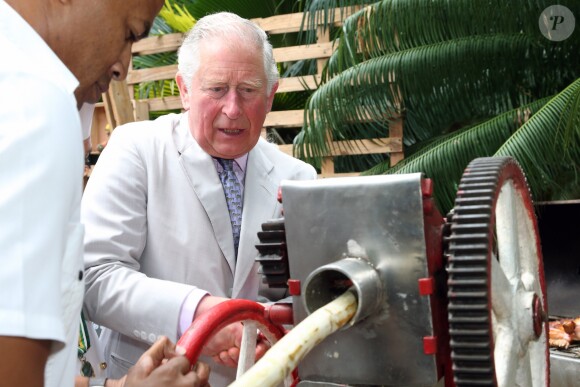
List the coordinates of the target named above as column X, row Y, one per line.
column 548, row 146
column 444, row 159
column 469, row 79
column 321, row 13
column 245, row 8
column 394, row 25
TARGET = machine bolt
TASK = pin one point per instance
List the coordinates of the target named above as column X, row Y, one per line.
column 294, row 287
column 426, row 286
column 427, row 188
column 430, row 345
column 539, row 316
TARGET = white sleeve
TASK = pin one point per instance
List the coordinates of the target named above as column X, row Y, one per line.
column 41, row 166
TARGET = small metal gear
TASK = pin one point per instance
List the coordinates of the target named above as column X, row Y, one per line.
column 273, row 254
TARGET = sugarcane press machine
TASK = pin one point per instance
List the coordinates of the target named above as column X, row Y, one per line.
column 455, row 300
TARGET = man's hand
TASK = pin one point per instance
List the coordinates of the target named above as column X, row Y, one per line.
column 224, row 346
column 164, row 365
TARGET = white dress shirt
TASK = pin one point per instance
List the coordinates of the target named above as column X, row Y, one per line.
column 41, row 169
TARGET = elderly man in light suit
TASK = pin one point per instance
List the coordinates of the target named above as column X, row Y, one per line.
column 159, row 248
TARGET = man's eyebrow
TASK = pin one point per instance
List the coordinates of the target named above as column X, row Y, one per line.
column 252, row 83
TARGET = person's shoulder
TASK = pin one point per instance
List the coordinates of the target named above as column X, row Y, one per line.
column 156, row 129
column 162, row 122
column 36, row 105
column 45, row 93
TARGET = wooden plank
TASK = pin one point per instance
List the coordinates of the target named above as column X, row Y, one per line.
column 307, row 82
column 310, row 51
column 141, row 110
column 108, row 106
column 286, row 85
column 121, row 102
column 157, row 44
column 285, row 119
column 358, row 147
column 323, row 36
column 165, row 103
column 281, row 24
column 153, row 74
column 396, row 131
column 327, row 166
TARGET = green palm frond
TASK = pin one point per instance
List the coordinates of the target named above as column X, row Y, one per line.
column 445, row 158
column 440, row 86
column 160, row 27
column 319, row 12
column 245, row 8
column 548, row 147
column 389, row 26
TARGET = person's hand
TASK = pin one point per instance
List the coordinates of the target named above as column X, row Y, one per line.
column 224, row 346
column 164, row 365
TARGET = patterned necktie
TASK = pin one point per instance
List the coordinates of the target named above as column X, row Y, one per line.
column 233, row 192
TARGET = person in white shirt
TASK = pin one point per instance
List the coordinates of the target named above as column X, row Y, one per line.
column 57, row 55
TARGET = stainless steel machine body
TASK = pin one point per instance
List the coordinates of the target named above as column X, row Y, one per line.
column 378, row 220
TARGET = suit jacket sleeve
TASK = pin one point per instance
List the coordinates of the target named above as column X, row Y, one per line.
column 114, row 210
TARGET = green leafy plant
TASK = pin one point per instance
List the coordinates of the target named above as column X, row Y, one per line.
column 466, row 76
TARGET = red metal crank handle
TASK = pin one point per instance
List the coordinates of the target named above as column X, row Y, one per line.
column 219, row 316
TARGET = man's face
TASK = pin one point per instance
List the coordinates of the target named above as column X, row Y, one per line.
column 100, row 49
column 227, row 100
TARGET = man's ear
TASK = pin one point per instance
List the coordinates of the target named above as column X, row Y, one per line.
column 272, row 95
column 183, row 92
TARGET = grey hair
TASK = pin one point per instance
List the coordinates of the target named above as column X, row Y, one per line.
column 225, row 25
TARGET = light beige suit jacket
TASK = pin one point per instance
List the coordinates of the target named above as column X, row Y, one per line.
column 157, row 228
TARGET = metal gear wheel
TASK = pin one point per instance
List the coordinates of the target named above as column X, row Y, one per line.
column 496, row 285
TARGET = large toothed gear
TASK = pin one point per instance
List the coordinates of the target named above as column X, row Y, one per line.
column 496, row 286
column 273, row 254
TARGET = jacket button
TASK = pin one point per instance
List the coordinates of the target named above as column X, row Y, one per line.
column 80, row 275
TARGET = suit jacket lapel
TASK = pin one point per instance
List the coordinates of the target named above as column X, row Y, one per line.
column 259, row 205
column 200, row 170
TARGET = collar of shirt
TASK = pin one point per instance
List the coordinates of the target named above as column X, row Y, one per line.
column 240, row 164
column 19, row 39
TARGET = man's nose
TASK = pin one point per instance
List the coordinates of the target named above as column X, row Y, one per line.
column 119, row 69
column 231, row 106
